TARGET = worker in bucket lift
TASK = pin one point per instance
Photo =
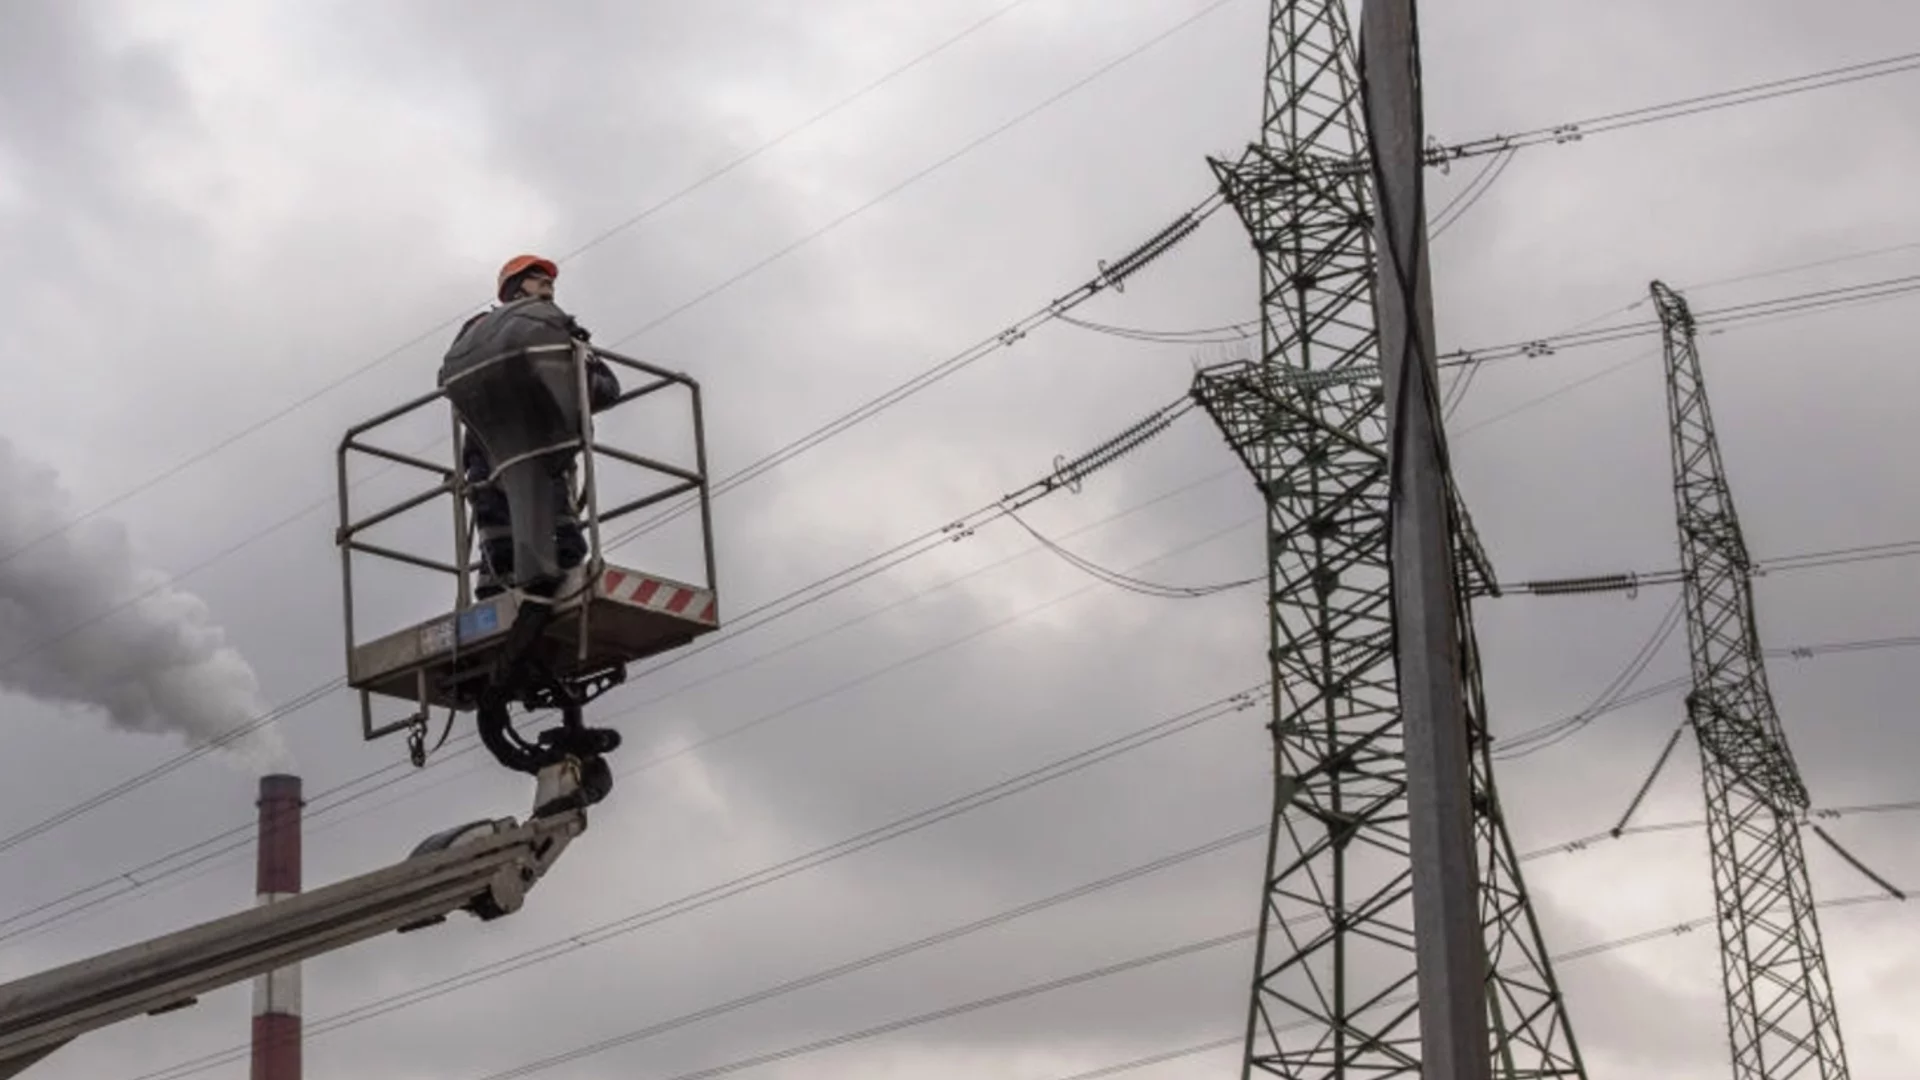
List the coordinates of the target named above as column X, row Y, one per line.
column 523, row 278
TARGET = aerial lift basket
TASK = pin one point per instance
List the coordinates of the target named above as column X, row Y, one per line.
column 600, row 617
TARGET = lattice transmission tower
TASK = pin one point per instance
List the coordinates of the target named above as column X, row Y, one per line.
column 1780, row 1012
column 1333, row 991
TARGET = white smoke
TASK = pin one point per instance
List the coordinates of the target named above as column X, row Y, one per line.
column 84, row 624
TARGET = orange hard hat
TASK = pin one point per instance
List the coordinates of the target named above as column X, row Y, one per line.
column 520, row 264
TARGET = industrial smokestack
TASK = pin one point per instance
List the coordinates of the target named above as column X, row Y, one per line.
column 276, row 995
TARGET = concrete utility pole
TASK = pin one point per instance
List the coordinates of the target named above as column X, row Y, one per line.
column 1450, row 954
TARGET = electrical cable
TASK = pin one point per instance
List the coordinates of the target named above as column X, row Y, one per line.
column 910, row 597
column 914, row 658
column 239, row 838
column 1799, row 303
column 1680, row 682
column 884, row 956
column 593, row 242
column 1210, row 335
column 470, row 742
column 1039, row 988
column 1475, row 190
column 1542, row 737
column 1065, row 475
column 1033, row 990
column 1472, row 364
column 1785, row 564
column 1485, row 170
column 21, row 836
column 307, row 697
column 1227, row 1041
column 949, row 159
column 1133, row 584
column 1472, row 360
column 1110, row 276
column 1814, row 264
column 1542, row 399
column 817, row 978
column 1481, row 146
column 1244, row 700
column 1585, row 843
column 1672, row 110
column 1190, row 949
column 1056, row 769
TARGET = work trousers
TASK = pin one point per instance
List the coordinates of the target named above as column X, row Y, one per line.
column 493, row 521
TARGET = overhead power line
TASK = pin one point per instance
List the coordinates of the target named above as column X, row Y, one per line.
column 1111, row 275
column 446, row 324
column 1491, row 144
column 1503, row 148
column 304, row 697
column 1586, row 843
column 1535, row 739
column 912, row 658
column 883, row 956
column 1633, row 581
column 1794, row 304
column 1542, row 737
column 600, row 238
column 1226, row 1041
column 1107, row 971
column 1129, row 583
column 93, row 802
column 212, row 851
column 906, row 825
column 873, row 613
column 1447, row 216
column 1672, row 110
column 146, row 874
column 1192, row 948
column 1487, row 145
column 1066, row 475
column 1185, row 721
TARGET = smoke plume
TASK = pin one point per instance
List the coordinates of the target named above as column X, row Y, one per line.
column 84, row 625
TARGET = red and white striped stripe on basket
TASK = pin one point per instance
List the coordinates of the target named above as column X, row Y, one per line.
column 699, row 605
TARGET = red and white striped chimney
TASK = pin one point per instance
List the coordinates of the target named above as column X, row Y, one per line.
column 276, row 995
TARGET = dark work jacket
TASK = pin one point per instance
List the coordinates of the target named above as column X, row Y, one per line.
column 603, row 389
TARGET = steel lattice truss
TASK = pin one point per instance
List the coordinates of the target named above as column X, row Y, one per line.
column 1334, row 982
column 1780, row 1010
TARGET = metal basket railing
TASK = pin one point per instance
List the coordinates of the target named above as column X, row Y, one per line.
column 452, row 484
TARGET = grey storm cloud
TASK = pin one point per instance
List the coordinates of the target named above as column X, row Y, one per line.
column 233, row 212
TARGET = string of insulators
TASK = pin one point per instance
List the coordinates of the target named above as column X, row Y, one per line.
column 1566, row 586
column 1114, row 274
column 1070, row 473
column 1320, row 378
column 1117, row 447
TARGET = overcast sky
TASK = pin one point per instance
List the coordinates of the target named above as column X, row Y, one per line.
column 217, row 210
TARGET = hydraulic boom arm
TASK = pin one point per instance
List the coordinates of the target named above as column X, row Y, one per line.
column 484, row 868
